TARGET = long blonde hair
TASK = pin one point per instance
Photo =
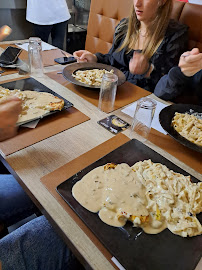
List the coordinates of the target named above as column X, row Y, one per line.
column 156, row 30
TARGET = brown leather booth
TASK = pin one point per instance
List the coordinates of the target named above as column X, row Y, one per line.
column 105, row 15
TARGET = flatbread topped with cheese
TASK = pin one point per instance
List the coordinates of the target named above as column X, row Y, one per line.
column 35, row 104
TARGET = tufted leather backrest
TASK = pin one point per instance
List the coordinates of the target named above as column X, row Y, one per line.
column 191, row 15
column 105, row 15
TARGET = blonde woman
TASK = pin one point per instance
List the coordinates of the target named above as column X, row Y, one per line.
column 146, row 45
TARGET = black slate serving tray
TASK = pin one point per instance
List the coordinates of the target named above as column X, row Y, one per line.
column 32, row 84
column 165, row 118
column 133, row 248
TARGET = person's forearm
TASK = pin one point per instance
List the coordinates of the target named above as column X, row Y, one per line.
column 171, row 85
column 6, row 133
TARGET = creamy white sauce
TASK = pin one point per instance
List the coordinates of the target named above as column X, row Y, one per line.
column 145, row 194
column 117, row 194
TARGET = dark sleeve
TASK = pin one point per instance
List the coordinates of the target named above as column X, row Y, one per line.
column 169, row 52
column 108, row 58
column 176, row 43
column 172, row 84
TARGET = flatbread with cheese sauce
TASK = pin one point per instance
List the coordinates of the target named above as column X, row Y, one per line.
column 34, row 104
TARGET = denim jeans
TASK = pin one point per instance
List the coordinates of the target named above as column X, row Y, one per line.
column 35, row 246
column 15, row 204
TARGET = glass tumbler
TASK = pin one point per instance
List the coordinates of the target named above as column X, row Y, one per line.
column 143, row 117
column 108, row 92
column 35, row 58
column 36, row 40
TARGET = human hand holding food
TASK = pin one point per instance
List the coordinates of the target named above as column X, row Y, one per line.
column 139, row 64
column 85, row 56
column 191, row 62
column 9, row 111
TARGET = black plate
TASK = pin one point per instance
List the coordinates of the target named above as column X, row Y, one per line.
column 68, row 70
column 32, row 84
column 133, row 248
column 165, row 119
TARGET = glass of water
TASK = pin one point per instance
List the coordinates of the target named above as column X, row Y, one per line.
column 108, row 92
column 35, row 58
column 143, row 117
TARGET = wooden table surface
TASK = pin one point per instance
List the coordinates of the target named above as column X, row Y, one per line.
column 32, row 163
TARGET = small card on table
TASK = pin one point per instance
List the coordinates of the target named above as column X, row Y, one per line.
column 114, row 124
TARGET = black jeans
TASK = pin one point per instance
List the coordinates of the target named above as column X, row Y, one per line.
column 57, row 32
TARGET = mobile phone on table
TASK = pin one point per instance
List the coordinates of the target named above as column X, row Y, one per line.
column 10, row 55
column 65, row 60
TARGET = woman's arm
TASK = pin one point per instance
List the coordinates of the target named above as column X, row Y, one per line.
column 180, row 78
column 171, row 85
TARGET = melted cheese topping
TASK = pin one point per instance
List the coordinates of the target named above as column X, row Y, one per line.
column 148, row 194
column 189, row 126
column 35, row 104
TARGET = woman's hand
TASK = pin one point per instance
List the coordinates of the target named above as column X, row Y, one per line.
column 191, row 62
column 9, row 112
column 139, row 64
column 85, row 56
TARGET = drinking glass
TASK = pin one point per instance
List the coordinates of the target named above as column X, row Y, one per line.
column 35, row 58
column 36, row 40
column 143, row 117
column 107, row 92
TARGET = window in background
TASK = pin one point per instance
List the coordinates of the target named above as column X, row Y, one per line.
column 76, row 35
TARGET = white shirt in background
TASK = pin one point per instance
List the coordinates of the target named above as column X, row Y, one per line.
column 47, row 12
column 198, row 2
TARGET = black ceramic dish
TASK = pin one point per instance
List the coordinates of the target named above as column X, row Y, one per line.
column 165, row 119
column 72, row 68
column 32, row 84
column 133, row 248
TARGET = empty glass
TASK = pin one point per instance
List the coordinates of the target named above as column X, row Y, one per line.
column 36, row 40
column 35, row 59
column 143, row 117
column 108, row 92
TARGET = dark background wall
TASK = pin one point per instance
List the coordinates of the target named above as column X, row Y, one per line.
column 15, row 18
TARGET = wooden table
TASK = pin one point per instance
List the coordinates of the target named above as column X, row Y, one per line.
column 32, row 163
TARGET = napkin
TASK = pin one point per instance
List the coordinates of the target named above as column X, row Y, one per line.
column 45, row 46
column 130, row 110
column 31, row 124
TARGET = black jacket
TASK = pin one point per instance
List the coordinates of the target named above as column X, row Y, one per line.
column 166, row 56
column 177, row 87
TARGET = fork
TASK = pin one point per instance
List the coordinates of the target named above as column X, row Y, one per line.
column 63, row 53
